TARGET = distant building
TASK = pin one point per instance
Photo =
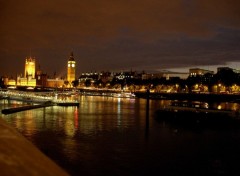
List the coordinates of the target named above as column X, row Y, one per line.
column 193, row 72
column 11, row 82
column 29, row 68
column 170, row 74
column 220, row 69
column 164, row 74
column 55, row 83
column 88, row 76
column 207, row 78
column 71, row 69
column 146, row 76
column 41, row 78
column 125, row 75
column 5, row 80
column 29, row 74
column 106, row 76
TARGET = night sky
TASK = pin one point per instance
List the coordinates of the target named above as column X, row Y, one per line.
column 115, row 35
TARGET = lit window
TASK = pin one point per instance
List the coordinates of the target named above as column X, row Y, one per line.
column 73, row 65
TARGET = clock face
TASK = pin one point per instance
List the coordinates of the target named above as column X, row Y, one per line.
column 73, row 65
column 68, row 65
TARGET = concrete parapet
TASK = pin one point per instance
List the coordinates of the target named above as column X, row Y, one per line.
column 19, row 157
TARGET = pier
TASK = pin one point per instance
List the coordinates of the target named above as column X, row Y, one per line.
column 23, row 108
column 41, row 99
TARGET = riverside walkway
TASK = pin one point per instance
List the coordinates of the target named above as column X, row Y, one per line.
column 19, row 157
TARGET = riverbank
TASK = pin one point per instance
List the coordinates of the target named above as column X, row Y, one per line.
column 19, row 157
column 190, row 96
column 210, row 97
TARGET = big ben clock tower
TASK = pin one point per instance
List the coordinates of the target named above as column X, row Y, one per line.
column 71, row 68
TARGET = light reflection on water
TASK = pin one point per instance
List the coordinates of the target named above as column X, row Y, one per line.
column 110, row 136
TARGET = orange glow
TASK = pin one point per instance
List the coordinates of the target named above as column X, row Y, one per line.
column 71, row 69
column 29, row 68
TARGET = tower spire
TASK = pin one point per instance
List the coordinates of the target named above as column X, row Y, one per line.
column 71, row 58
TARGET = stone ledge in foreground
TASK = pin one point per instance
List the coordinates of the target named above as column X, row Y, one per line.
column 19, row 157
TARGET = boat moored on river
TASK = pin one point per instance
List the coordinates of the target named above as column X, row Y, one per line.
column 196, row 113
column 124, row 95
column 66, row 103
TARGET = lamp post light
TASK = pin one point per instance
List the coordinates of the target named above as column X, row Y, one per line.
column 219, row 87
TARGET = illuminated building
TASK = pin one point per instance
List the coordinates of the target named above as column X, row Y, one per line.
column 164, row 74
column 193, row 72
column 29, row 74
column 71, row 68
column 44, row 81
column 55, row 83
column 11, row 82
column 4, row 81
column 29, row 68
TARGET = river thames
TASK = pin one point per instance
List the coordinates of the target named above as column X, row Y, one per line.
column 114, row 136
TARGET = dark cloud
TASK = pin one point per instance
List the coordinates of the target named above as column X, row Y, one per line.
column 165, row 53
column 111, row 35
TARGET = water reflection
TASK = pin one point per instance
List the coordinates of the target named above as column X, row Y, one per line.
column 225, row 106
column 107, row 136
column 94, row 115
column 76, row 114
column 119, row 111
column 147, row 119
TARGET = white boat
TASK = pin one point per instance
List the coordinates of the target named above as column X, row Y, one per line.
column 124, row 95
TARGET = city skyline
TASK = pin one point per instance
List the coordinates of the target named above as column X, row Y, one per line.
column 65, row 75
column 109, row 36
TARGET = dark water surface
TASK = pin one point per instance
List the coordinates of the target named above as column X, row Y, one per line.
column 113, row 136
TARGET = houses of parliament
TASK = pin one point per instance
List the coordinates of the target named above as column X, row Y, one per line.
column 35, row 77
